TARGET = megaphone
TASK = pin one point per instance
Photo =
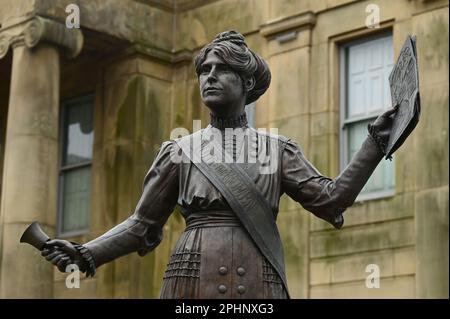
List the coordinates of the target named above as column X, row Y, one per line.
column 35, row 236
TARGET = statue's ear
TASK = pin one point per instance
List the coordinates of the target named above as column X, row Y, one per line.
column 249, row 83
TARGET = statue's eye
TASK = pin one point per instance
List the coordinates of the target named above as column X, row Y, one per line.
column 223, row 68
column 205, row 69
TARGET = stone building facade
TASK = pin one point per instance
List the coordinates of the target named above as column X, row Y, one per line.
column 83, row 112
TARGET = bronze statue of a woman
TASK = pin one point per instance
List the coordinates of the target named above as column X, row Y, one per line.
column 230, row 247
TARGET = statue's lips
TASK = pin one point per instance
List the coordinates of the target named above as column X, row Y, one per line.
column 211, row 90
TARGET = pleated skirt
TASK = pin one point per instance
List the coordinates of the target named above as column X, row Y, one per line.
column 219, row 262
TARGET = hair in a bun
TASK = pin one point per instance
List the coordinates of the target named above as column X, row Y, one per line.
column 231, row 36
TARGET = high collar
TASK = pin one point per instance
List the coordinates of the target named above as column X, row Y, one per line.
column 228, row 122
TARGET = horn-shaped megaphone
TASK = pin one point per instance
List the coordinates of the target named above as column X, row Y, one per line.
column 35, row 236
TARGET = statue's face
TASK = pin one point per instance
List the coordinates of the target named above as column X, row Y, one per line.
column 221, row 88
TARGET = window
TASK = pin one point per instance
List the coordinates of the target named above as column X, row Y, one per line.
column 365, row 94
column 75, row 166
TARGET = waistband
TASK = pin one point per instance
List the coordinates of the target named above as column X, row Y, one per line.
column 216, row 218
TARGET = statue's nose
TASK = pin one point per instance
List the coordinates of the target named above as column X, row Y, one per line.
column 212, row 75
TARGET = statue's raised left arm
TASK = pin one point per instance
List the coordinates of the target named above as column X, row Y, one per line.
column 327, row 198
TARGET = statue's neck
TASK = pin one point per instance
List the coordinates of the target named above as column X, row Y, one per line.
column 229, row 122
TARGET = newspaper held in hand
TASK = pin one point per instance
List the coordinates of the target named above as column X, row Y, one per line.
column 404, row 85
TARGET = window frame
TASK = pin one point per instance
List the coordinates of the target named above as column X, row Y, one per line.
column 63, row 169
column 344, row 122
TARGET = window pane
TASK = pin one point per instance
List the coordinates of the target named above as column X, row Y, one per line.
column 76, row 199
column 78, row 134
column 369, row 65
column 383, row 178
column 356, row 82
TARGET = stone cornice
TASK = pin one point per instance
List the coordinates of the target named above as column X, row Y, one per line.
column 182, row 56
column 34, row 30
column 177, row 6
column 295, row 22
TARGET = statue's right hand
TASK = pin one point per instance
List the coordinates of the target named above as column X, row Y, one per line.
column 61, row 253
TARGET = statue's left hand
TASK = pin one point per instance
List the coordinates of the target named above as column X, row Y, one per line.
column 381, row 128
column 383, row 123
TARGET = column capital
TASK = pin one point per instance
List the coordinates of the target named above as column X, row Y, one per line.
column 32, row 31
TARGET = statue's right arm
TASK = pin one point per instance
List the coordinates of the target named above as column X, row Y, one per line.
column 142, row 231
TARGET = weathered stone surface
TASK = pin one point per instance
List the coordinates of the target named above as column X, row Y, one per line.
column 88, row 289
column 39, row 116
column 324, row 123
column 75, row 83
column 346, row 18
column 136, row 110
column 352, row 267
column 293, row 228
column 319, row 89
column 288, row 92
column 391, row 263
column 11, row 10
column 287, row 204
column 199, row 26
column 384, row 209
column 405, row 261
column 432, row 243
column 29, row 184
column 319, row 153
column 30, row 178
column 318, row 224
column 5, row 70
column 320, row 271
column 431, row 137
column 29, row 278
column 134, row 22
column 129, row 132
column 392, row 234
column 431, row 28
column 301, row 40
column 280, row 9
column 406, row 170
column 398, row 287
column 295, row 127
column 186, row 101
column 155, row 70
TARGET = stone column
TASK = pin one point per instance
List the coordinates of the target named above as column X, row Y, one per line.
column 30, row 172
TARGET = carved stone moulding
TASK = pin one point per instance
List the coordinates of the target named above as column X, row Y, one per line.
column 286, row 28
column 36, row 29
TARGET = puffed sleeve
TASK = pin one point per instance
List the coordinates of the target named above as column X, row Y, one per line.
column 142, row 231
column 324, row 197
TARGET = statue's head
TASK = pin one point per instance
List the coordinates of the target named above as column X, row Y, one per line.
column 230, row 75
